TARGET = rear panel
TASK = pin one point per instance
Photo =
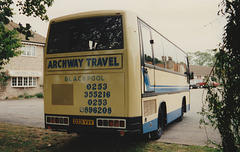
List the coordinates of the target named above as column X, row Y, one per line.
column 85, row 94
column 86, row 87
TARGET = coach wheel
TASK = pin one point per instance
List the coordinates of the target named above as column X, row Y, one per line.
column 158, row 133
column 183, row 109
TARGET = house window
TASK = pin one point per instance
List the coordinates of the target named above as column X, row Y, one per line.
column 20, row 81
column 24, row 81
column 14, row 81
column 29, row 50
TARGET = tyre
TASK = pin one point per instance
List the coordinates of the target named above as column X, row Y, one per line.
column 158, row 133
column 181, row 117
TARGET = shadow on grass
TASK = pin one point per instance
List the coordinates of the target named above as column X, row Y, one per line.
column 103, row 143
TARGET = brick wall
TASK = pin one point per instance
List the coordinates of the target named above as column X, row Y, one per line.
column 24, row 63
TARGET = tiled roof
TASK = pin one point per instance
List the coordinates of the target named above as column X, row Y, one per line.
column 200, row 70
column 37, row 38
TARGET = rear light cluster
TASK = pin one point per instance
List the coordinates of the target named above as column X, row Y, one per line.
column 57, row 120
column 111, row 123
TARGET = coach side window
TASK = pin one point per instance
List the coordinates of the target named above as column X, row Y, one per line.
column 182, row 62
column 170, row 55
column 159, row 59
column 147, row 49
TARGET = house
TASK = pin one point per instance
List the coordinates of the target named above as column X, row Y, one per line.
column 200, row 73
column 26, row 70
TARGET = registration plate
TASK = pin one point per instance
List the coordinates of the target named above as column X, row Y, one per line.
column 83, row 122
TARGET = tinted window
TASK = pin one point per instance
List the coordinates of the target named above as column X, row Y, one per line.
column 87, row 34
column 158, row 50
column 147, row 49
column 170, row 56
column 182, row 62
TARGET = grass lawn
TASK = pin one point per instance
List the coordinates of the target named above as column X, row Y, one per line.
column 29, row 139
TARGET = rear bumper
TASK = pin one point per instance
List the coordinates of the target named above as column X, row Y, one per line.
column 133, row 124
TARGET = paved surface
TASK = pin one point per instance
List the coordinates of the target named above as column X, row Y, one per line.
column 30, row 113
column 22, row 112
column 188, row 131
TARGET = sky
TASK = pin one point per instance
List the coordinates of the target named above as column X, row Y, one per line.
column 193, row 25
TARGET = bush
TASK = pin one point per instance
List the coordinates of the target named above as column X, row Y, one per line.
column 20, row 96
column 29, row 96
column 39, row 95
column 26, row 96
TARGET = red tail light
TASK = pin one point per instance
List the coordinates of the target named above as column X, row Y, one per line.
column 116, row 123
column 57, row 120
column 110, row 123
column 52, row 120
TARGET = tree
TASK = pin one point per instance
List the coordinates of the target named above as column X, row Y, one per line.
column 9, row 41
column 223, row 104
column 206, row 58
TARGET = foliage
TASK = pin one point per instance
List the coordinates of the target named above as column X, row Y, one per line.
column 223, row 104
column 39, row 95
column 206, row 58
column 9, row 41
column 3, row 79
column 21, row 96
column 27, row 96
